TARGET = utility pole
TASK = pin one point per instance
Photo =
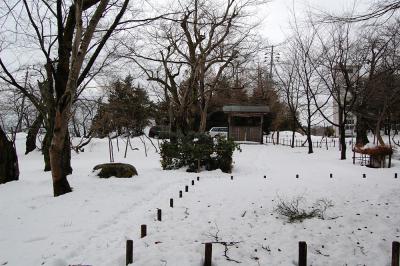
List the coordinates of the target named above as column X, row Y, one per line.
column 271, row 63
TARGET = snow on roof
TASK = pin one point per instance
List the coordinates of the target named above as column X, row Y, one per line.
column 246, row 108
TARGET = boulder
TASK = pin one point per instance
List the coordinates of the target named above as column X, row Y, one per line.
column 121, row 170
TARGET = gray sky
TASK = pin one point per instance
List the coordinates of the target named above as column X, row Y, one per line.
column 278, row 13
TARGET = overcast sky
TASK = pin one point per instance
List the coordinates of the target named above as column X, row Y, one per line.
column 278, row 13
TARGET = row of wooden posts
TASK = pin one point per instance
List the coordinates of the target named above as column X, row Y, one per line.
column 208, row 246
column 143, row 227
column 302, row 261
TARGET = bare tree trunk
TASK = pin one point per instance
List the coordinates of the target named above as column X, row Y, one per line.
column 32, row 134
column 361, row 131
column 309, row 140
column 342, row 133
column 46, row 149
column 293, row 128
column 379, row 139
column 59, row 155
column 9, row 170
column 203, row 121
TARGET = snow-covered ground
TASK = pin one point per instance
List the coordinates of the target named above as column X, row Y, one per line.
column 90, row 226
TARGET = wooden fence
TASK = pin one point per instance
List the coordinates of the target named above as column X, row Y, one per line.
column 324, row 143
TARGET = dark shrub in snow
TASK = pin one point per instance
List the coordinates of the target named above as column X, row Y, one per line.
column 196, row 151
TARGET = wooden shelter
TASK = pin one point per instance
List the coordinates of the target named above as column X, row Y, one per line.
column 246, row 122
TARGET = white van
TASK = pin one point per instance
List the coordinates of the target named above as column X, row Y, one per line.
column 219, row 131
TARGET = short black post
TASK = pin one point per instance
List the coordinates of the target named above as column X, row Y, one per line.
column 297, row 175
column 180, row 193
column 159, row 215
column 395, row 253
column 395, row 175
column 143, row 230
column 302, row 253
column 171, row 203
column 265, row 176
column 207, row 254
column 186, row 188
column 198, row 178
column 364, row 176
column 129, row 252
column 231, row 177
column 330, row 175
column 192, row 182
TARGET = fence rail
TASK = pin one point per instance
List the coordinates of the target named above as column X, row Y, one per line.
column 323, row 143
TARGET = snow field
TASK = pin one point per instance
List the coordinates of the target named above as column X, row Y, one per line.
column 91, row 225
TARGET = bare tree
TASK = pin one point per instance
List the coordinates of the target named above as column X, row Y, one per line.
column 63, row 33
column 338, row 63
column 195, row 49
column 290, row 91
column 381, row 9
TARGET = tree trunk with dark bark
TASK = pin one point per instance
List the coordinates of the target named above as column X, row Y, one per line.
column 46, row 149
column 294, row 123
column 59, row 156
column 32, row 134
column 342, row 140
column 9, row 170
column 361, row 131
column 309, row 140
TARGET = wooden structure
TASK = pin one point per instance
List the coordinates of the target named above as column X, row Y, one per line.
column 246, row 122
column 374, row 156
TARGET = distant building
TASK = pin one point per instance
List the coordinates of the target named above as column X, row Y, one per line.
column 246, row 122
column 351, row 118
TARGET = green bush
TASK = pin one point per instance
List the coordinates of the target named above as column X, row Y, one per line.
column 224, row 150
column 197, row 151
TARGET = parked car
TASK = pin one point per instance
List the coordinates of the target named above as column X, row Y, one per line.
column 159, row 132
column 219, row 131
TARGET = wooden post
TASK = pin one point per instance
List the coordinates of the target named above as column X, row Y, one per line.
column 395, row 175
column 390, row 161
column 180, row 193
column 143, row 230
column 330, row 175
column 354, row 157
column 198, row 178
column 186, row 188
column 129, row 252
column 171, row 203
column 364, row 176
column 208, row 254
column 159, row 215
column 297, row 175
column 302, row 253
column 261, row 129
column 395, row 253
column 192, row 182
